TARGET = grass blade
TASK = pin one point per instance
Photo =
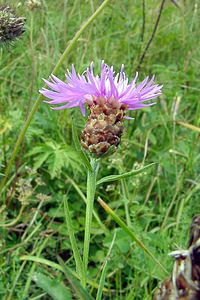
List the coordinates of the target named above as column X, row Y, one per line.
column 42, row 261
column 103, row 274
column 77, row 257
column 130, row 233
column 189, row 126
column 55, row 266
column 80, row 291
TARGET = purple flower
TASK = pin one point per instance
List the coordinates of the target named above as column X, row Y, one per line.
column 88, row 87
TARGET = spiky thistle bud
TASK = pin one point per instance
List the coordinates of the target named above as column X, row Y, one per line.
column 11, row 26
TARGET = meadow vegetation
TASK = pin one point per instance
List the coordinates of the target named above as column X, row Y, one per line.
column 157, row 204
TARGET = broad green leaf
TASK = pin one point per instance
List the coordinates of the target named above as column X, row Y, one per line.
column 55, row 156
column 125, row 175
column 82, row 154
column 40, row 160
column 80, row 291
column 52, row 287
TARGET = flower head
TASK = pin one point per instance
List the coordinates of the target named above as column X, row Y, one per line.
column 108, row 97
column 11, row 26
column 87, row 87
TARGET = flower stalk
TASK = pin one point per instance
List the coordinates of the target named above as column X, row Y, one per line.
column 91, row 187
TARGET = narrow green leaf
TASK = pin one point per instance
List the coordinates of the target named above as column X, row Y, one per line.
column 77, row 257
column 80, row 291
column 53, row 265
column 103, row 274
column 189, row 126
column 75, row 137
column 78, row 148
column 52, row 287
column 130, row 233
column 125, row 175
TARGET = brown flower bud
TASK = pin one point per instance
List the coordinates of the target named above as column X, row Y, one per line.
column 104, row 126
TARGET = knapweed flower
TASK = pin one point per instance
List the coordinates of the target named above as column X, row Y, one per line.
column 11, row 26
column 107, row 96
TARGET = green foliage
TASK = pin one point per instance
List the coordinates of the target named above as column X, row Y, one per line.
column 157, row 203
column 123, row 176
column 52, row 287
column 55, row 157
column 79, row 290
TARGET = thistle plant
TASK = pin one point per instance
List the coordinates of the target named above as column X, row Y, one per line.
column 11, row 26
column 108, row 98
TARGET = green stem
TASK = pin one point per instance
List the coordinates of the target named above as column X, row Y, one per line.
column 91, row 187
column 40, row 97
column 12, row 223
column 126, row 202
column 77, row 257
column 103, row 227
